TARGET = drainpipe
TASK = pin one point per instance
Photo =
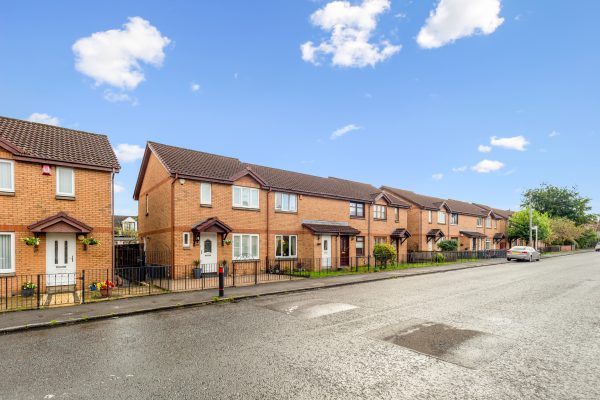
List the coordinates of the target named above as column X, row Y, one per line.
column 268, row 239
column 420, row 229
column 173, row 224
column 112, row 218
column 369, row 231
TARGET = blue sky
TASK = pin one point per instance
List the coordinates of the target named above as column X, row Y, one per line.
column 412, row 88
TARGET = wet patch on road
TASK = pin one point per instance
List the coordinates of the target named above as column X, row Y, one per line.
column 307, row 309
column 465, row 347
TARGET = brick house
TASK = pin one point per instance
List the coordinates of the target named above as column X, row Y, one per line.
column 432, row 219
column 203, row 206
column 55, row 185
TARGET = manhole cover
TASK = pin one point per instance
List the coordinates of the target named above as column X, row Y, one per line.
column 461, row 346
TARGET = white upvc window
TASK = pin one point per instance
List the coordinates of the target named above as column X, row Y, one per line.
column 7, row 252
column 245, row 247
column 441, row 217
column 186, row 240
column 479, row 221
column 7, row 176
column 495, row 223
column 430, row 216
column 245, row 197
column 454, row 219
column 379, row 212
column 205, row 194
column 286, row 202
column 488, row 222
column 65, row 181
column 488, row 244
column 286, row 246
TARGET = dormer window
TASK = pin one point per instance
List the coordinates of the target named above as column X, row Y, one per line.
column 7, row 176
column 65, row 182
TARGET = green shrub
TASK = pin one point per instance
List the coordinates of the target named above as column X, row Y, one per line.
column 384, row 252
column 448, row 245
column 438, row 258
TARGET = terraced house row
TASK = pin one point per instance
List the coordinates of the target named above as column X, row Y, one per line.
column 56, row 205
column 197, row 205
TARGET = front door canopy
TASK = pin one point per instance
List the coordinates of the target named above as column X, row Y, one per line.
column 435, row 235
column 60, row 223
column 212, row 224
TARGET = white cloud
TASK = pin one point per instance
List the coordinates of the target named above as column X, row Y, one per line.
column 194, row 87
column 486, row 166
column 119, row 188
column 351, row 28
column 484, row 149
column 460, row 169
column 455, row 19
column 344, row 130
column 44, row 119
column 129, row 152
column 554, row 134
column 236, row 75
column 113, row 57
column 437, row 177
column 119, row 97
column 512, row 143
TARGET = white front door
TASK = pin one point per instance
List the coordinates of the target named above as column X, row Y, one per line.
column 208, row 252
column 430, row 245
column 60, row 259
column 326, row 251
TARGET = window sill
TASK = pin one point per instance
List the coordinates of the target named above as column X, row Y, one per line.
column 3, row 193
column 246, row 260
column 355, row 217
column 12, row 273
column 246, row 209
column 380, row 219
column 283, row 258
column 286, row 212
column 61, row 197
column 206, row 205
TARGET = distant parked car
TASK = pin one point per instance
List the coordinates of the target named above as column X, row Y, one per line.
column 598, row 246
column 523, row 253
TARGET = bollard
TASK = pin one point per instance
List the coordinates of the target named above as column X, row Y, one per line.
column 221, row 282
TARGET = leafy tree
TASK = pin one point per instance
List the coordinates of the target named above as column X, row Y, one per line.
column 564, row 231
column 448, row 245
column 518, row 225
column 587, row 239
column 384, row 252
column 559, row 202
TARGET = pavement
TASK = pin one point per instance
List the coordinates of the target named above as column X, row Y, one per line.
column 507, row 331
column 11, row 322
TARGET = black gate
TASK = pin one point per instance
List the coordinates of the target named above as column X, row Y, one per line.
column 134, row 264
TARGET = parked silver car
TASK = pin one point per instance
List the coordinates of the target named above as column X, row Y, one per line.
column 523, row 253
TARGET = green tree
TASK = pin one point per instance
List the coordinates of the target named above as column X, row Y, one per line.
column 588, row 239
column 559, row 202
column 384, row 252
column 564, row 231
column 518, row 225
column 448, row 245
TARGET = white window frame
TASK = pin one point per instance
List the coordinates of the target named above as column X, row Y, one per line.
column 250, row 190
column 441, row 217
column 379, row 212
column 147, row 204
column 479, row 221
column 10, row 189
column 240, row 236
column 495, row 223
column 362, row 241
column 396, row 214
column 203, row 201
column 452, row 215
column 488, row 222
column 488, row 244
column 12, row 253
column 430, row 217
column 58, row 174
column 185, row 240
column 291, row 256
column 279, row 202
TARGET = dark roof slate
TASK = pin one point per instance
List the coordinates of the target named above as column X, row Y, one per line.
column 52, row 143
column 420, row 200
column 331, row 228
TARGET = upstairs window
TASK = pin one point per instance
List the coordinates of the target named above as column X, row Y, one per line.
column 396, row 214
column 479, row 221
column 488, row 222
column 454, row 219
column 245, row 197
column 205, row 194
column 65, row 181
column 286, row 202
column 441, row 217
column 7, row 176
column 357, row 210
column 379, row 211
column 430, row 216
column 285, row 246
column 495, row 223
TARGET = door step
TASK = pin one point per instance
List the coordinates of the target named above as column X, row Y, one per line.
column 60, row 289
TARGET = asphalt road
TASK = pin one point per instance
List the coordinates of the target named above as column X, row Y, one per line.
column 501, row 332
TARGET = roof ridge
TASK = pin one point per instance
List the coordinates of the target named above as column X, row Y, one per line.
column 55, row 126
column 195, row 151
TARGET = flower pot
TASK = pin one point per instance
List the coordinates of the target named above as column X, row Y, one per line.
column 105, row 292
column 27, row 292
column 197, row 272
